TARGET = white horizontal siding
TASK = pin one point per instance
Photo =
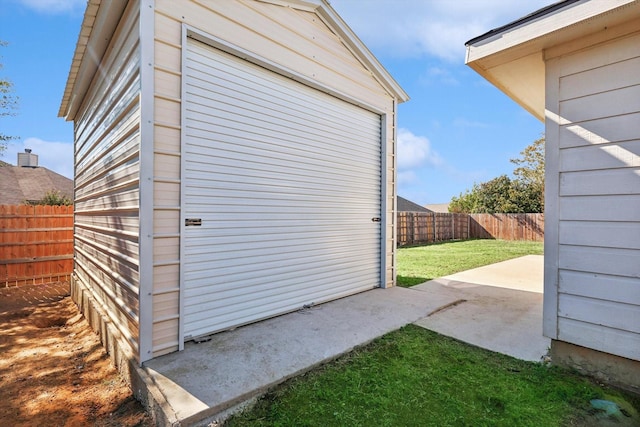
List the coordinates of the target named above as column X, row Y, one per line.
column 598, row 312
column 605, row 234
column 600, row 208
column 598, row 181
column 608, row 340
column 617, row 102
column 598, row 80
column 107, row 140
column 286, row 180
column 601, row 131
column 602, row 156
column 620, row 289
column 593, row 259
column 601, row 182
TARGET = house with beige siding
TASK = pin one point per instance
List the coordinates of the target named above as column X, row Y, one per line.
column 229, row 155
column 576, row 66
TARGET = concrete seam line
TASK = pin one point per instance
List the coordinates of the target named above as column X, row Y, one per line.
column 446, row 306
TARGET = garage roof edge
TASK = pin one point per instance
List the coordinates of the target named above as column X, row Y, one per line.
column 363, row 52
column 101, row 18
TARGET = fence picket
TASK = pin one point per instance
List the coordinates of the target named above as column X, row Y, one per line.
column 427, row 227
column 36, row 244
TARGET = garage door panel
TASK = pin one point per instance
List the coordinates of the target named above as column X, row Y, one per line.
column 255, row 104
column 222, row 77
column 286, row 180
column 250, row 284
column 227, row 301
column 270, row 256
column 263, row 151
column 231, row 318
column 231, row 238
column 218, row 128
column 251, row 288
column 261, row 306
column 221, row 130
column 275, row 188
column 299, row 263
column 230, row 197
column 297, row 171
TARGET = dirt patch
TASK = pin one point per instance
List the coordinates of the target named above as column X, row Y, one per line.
column 53, row 369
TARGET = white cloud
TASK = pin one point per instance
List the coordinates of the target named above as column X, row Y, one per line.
column 415, row 151
column 54, row 6
column 410, row 28
column 438, row 75
column 407, row 178
column 57, row 156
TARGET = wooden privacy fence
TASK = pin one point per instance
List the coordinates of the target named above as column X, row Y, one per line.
column 427, row 227
column 36, row 244
column 507, row 226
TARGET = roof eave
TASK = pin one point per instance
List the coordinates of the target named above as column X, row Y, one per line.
column 101, row 18
column 99, row 23
column 363, row 53
column 527, row 39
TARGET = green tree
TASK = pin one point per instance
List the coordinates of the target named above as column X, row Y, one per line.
column 8, row 105
column 54, row 198
column 522, row 194
column 530, row 174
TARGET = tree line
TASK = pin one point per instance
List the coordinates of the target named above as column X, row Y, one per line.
column 524, row 193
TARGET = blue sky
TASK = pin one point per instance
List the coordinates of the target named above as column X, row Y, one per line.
column 455, row 131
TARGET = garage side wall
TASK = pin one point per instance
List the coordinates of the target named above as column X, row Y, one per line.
column 284, row 35
column 593, row 130
column 107, row 146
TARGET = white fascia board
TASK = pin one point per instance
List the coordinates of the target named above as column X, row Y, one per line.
column 308, row 5
column 546, row 25
column 358, row 48
column 324, row 9
column 98, row 25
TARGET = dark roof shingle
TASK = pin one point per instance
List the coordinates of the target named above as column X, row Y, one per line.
column 20, row 184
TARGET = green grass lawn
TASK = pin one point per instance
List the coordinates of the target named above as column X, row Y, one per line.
column 415, row 377
column 422, row 263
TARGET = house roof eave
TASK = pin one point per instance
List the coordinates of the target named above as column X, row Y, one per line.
column 500, row 54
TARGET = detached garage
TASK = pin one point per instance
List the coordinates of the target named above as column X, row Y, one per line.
column 234, row 161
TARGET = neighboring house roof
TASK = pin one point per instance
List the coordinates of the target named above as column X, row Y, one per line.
column 102, row 17
column 438, row 207
column 21, row 184
column 512, row 57
column 405, row 205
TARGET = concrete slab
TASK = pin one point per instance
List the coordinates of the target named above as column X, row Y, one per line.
column 206, row 379
column 506, row 318
column 196, row 385
column 524, row 273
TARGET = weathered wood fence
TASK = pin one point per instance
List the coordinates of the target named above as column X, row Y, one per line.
column 36, row 244
column 427, row 227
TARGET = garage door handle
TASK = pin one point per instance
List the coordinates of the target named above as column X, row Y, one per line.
column 192, row 222
column 376, row 219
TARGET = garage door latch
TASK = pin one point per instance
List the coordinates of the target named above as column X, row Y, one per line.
column 193, row 222
column 376, row 219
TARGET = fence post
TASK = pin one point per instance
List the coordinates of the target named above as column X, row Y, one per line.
column 434, row 226
column 453, row 227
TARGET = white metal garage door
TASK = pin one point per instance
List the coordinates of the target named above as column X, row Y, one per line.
column 284, row 181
